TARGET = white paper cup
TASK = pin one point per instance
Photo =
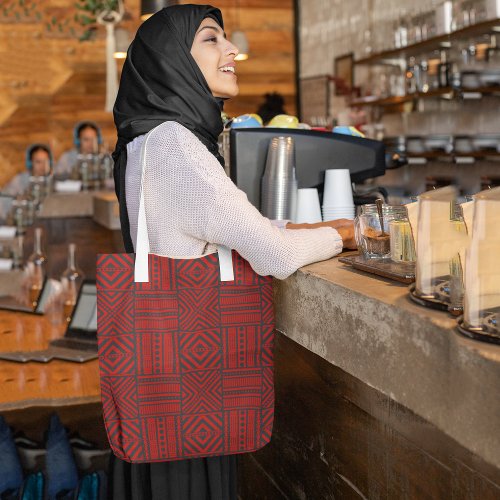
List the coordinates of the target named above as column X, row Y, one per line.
column 345, row 215
column 308, row 208
column 336, row 217
column 350, row 211
column 338, row 211
column 338, row 189
column 341, row 209
column 338, row 214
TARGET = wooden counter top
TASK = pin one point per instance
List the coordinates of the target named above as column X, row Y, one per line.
column 368, row 327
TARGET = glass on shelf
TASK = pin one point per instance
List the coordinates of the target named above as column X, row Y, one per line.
column 36, row 268
column 412, row 76
column 400, row 28
column 424, row 85
column 71, row 280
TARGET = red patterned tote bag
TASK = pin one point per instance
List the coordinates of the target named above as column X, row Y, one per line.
column 185, row 353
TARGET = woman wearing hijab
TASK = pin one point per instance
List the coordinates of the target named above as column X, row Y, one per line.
column 178, row 70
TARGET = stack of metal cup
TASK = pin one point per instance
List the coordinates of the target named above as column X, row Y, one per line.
column 279, row 183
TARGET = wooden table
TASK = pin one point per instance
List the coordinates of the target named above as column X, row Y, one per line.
column 41, row 384
column 56, row 383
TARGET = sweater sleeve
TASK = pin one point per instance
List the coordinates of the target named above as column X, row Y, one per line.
column 210, row 207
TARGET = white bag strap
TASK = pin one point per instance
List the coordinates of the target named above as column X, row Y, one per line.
column 141, row 268
column 225, row 263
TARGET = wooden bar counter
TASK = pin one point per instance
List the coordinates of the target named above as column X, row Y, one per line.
column 376, row 397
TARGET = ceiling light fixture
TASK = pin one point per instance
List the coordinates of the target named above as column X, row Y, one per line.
column 109, row 19
column 149, row 7
column 239, row 38
column 122, row 41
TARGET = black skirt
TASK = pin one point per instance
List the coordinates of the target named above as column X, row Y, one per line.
column 211, row 478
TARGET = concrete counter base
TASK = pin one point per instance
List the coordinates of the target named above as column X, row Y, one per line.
column 368, row 327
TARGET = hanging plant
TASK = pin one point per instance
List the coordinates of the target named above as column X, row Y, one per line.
column 88, row 10
column 17, row 11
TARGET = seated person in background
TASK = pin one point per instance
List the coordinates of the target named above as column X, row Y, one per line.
column 86, row 138
column 38, row 164
column 272, row 106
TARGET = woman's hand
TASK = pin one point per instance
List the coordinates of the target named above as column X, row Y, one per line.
column 345, row 227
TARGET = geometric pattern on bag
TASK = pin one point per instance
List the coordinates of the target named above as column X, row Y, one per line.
column 186, row 360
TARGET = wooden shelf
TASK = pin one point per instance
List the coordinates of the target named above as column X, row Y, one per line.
column 480, row 90
column 452, row 157
column 395, row 100
column 436, row 43
column 446, row 92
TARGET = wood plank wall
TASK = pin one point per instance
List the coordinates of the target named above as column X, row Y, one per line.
column 50, row 80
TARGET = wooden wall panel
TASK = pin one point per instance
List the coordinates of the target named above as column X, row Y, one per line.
column 269, row 26
column 50, row 80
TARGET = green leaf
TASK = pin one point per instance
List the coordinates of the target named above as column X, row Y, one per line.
column 86, row 20
column 86, row 36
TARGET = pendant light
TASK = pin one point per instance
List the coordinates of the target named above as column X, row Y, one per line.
column 239, row 38
column 149, row 7
column 109, row 19
column 122, row 41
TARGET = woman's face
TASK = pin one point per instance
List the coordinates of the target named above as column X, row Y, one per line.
column 215, row 58
column 88, row 140
column 40, row 162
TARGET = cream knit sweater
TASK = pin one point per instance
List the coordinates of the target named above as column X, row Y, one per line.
column 192, row 206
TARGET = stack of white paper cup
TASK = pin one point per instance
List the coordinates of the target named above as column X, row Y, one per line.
column 308, row 208
column 337, row 195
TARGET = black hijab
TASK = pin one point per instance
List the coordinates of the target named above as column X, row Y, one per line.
column 161, row 82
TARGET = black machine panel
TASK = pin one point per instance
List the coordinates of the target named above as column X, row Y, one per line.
column 315, row 152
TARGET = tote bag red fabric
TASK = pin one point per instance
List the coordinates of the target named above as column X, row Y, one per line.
column 185, row 354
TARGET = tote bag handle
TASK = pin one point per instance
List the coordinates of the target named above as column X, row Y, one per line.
column 141, row 269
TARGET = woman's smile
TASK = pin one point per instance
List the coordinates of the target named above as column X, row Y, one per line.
column 214, row 55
